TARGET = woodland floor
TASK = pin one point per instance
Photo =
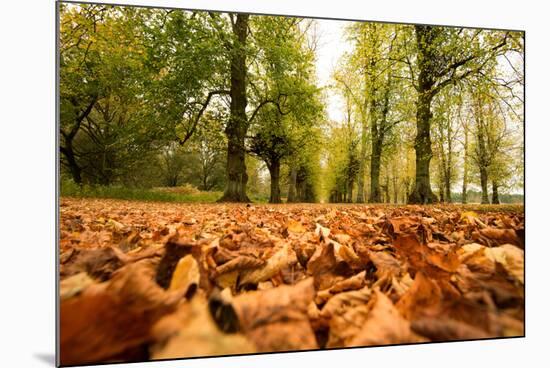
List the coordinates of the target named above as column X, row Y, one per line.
column 147, row 280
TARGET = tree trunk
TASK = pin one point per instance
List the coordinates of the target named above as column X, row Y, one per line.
column 484, row 191
column 422, row 192
column 362, row 159
column 205, row 182
column 274, row 170
column 375, row 172
column 74, row 168
column 448, row 165
column 395, row 190
column 465, row 175
column 495, row 199
column 300, row 185
column 448, row 187
column 387, row 191
column 235, row 190
column 350, row 191
column 483, row 161
column 292, row 185
column 441, row 176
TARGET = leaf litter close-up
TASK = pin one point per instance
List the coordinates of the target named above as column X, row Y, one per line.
column 149, row 280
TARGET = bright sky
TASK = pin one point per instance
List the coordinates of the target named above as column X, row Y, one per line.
column 331, row 46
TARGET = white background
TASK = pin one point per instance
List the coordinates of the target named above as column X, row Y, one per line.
column 27, row 192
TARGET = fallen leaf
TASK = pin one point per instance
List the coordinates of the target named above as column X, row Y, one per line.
column 276, row 319
column 423, row 296
column 384, row 325
column 109, row 318
column 446, row 329
column 191, row 332
column 284, row 257
column 294, row 226
column 240, row 263
column 74, row 285
column 186, row 276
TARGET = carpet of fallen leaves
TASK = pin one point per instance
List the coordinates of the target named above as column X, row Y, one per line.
column 144, row 281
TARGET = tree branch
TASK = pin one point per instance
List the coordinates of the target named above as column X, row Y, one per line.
column 265, row 102
column 195, row 122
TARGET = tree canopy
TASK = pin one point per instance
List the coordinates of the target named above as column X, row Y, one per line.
column 234, row 103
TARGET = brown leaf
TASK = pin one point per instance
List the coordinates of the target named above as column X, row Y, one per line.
column 423, row 296
column 240, row 263
column 386, row 264
column 384, row 325
column 222, row 255
column 175, row 249
column 322, row 232
column 402, row 224
column 294, row 226
column 283, row 257
column 446, row 329
column 98, row 263
column 276, row 319
column 191, row 332
column 342, row 301
column 186, row 276
column 483, row 259
column 494, row 237
column 353, row 283
column 74, row 285
column 110, row 318
column 321, row 266
column 428, row 259
column 344, row 327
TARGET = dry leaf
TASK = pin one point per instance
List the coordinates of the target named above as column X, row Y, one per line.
column 494, row 237
column 74, row 285
column 294, row 226
column 276, row 319
column 252, row 266
column 240, row 263
column 446, row 329
column 423, row 296
column 191, row 332
column 285, row 256
column 110, row 318
column 384, row 325
column 186, row 275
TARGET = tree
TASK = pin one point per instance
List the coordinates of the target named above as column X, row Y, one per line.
column 444, row 56
column 79, row 90
column 283, row 73
column 186, row 55
column 494, row 143
column 353, row 88
column 343, row 161
column 272, row 144
column 377, row 91
column 102, row 78
column 445, row 130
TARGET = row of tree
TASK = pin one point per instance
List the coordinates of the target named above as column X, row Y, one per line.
column 156, row 97
column 141, row 89
column 426, row 102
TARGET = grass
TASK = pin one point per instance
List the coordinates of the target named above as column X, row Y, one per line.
column 189, row 194
column 185, row 194
column 69, row 189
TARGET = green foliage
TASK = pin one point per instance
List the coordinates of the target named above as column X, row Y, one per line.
column 70, row 189
column 147, row 101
